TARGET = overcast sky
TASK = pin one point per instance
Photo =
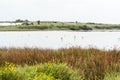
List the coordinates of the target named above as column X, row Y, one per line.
column 101, row 11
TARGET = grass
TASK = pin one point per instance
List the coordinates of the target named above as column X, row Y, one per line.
column 33, row 26
column 91, row 64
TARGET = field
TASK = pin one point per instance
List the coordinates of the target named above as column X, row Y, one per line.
column 54, row 25
column 62, row 64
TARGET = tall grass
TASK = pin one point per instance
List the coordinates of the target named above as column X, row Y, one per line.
column 92, row 64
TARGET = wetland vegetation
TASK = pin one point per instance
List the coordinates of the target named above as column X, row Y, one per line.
column 73, row 63
column 63, row 64
column 57, row 25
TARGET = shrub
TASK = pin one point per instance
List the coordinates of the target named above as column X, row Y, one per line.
column 47, row 71
column 58, row 71
column 74, row 28
column 9, row 72
column 85, row 27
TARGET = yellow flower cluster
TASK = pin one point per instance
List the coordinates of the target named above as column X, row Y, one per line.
column 9, row 67
column 43, row 76
column 47, row 71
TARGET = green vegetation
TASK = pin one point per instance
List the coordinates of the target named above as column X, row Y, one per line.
column 47, row 71
column 61, row 64
column 53, row 25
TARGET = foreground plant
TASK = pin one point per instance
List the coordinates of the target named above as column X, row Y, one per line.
column 47, row 71
column 92, row 64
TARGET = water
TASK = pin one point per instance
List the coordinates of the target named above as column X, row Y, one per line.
column 59, row 39
column 9, row 24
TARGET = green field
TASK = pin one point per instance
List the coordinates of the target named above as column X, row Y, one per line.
column 61, row 64
column 54, row 25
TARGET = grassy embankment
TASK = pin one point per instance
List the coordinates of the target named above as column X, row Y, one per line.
column 59, row 26
column 61, row 64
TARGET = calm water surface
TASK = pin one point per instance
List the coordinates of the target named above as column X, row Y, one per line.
column 59, row 39
column 9, row 24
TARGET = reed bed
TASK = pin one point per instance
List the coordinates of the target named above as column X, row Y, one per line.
column 92, row 64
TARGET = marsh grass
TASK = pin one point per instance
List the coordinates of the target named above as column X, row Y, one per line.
column 44, row 25
column 92, row 64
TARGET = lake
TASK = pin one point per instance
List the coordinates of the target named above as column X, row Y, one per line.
column 9, row 24
column 59, row 39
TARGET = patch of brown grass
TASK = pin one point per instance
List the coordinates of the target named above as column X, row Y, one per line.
column 92, row 63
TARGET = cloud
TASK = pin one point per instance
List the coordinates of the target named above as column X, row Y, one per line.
column 64, row 10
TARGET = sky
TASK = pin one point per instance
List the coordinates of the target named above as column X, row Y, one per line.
column 99, row 11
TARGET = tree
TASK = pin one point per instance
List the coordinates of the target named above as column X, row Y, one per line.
column 38, row 22
column 26, row 22
column 19, row 20
column 76, row 22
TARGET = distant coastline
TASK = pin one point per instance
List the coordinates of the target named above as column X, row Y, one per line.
column 25, row 25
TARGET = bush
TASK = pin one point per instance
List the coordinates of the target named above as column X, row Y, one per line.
column 47, row 71
column 9, row 72
column 85, row 27
column 58, row 71
column 74, row 28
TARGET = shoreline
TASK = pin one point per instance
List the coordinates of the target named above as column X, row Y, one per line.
column 61, row 26
column 112, row 30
